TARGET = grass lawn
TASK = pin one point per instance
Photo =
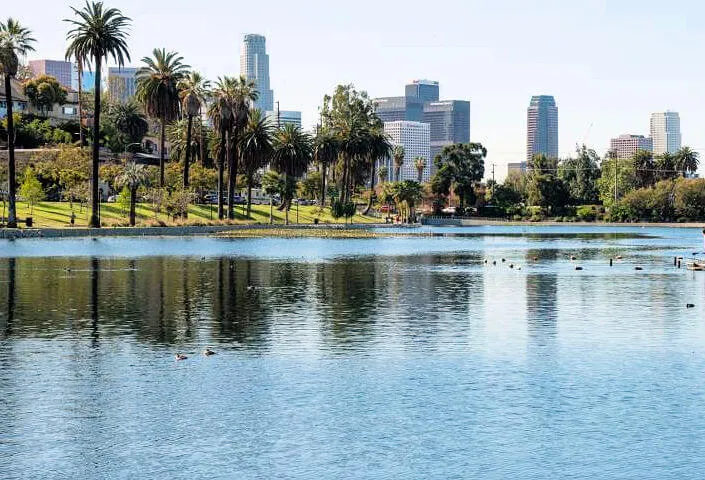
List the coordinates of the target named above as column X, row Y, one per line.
column 58, row 214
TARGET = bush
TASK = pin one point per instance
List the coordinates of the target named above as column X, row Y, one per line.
column 586, row 213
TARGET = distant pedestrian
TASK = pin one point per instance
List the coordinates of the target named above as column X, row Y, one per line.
column 73, row 218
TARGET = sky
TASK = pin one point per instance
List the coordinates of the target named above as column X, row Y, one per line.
column 609, row 64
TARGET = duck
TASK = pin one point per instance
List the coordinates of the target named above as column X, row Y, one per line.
column 578, row 268
column 689, row 305
column 208, row 352
column 572, row 257
column 618, row 257
column 638, row 268
column 180, row 356
column 536, row 259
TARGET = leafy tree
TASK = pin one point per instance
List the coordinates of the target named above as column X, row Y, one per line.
column 378, row 148
column 665, row 166
column 70, row 170
column 310, row 186
column 273, row 184
column 643, row 161
column 203, row 179
column 31, row 189
column 132, row 177
column 383, row 174
column 541, row 164
column 293, row 153
column 623, row 171
column 15, row 41
column 97, row 34
column 459, row 167
column 45, row 91
column 408, row 193
column 255, row 150
column 689, row 199
column 157, row 90
column 580, row 176
column 547, row 191
column 127, row 124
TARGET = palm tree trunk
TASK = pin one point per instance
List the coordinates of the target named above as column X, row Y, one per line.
column 372, row 189
column 271, row 209
column 249, row 195
column 323, row 185
column 231, row 178
column 133, row 202
column 187, row 162
column 201, row 144
column 95, row 199
column 221, row 174
column 81, row 138
column 12, row 187
column 344, row 189
column 161, row 154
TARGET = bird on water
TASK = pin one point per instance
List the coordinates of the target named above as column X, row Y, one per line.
column 180, row 356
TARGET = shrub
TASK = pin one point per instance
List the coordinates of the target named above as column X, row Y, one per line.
column 586, row 213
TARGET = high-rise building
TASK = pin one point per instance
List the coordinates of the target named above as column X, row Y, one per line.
column 542, row 127
column 122, row 83
column 395, row 109
column 450, row 123
column 425, row 90
column 284, row 117
column 87, row 79
column 666, row 132
column 625, row 146
column 415, row 137
column 254, row 65
column 59, row 69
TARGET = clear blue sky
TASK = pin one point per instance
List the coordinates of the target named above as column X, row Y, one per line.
column 608, row 63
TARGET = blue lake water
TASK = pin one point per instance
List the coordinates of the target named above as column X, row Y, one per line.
column 402, row 357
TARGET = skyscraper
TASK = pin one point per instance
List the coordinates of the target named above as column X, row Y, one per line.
column 666, row 132
column 415, row 137
column 625, row 146
column 56, row 68
column 542, row 127
column 450, row 123
column 395, row 109
column 425, row 90
column 122, row 83
column 254, row 65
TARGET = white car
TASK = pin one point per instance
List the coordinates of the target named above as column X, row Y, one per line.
column 450, row 210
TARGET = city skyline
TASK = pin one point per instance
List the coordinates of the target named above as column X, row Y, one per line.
column 254, row 65
column 602, row 50
column 542, row 127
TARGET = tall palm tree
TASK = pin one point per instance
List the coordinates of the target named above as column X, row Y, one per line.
column 15, row 41
column 293, row 153
column 129, row 121
column 398, row 154
column 326, row 150
column 97, row 33
column 420, row 164
column 220, row 113
column 383, row 174
column 192, row 91
column 157, row 89
column 378, row 148
column 687, row 160
column 243, row 95
column 255, row 149
column 132, row 177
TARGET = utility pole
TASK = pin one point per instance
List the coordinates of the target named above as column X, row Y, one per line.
column 278, row 117
column 493, row 181
column 615, row 179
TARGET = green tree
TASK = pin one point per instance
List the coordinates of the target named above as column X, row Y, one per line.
column 580, row 176
column 420, row 164
column 193, row 90
column 665, row 167
column 617, row 179
column 158, row 91
column 547, row 191
column 97, row 33
column 408, row 193
column 459, row 167
column 326, row 151
column 129, row 125
column 31, row 189
column 643, row 161
column 15, row 41
column 383, row 174
column 45, row 91
column 293, row 153
column 272, row 184
column 132, row 178
column 255, row 150
column 687, row 160
column 310, row 186
column 378, row 148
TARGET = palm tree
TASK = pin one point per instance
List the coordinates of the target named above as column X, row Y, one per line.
column 687, row 160
column 293, row 153
column 383, row 174
column 15, row 41
column 157, row 89
column 255, row 149
column 129, row 121
column 408, row 192
column 420, row 164
column 220, row 113
column 97, row 34
column 378, row 148
column 398, row 154
column 192, row 91
column 326, row 150
column 132, row 178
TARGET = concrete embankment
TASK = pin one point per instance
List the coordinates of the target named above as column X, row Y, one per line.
column 178, row 231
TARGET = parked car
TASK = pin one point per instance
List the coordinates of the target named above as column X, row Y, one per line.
column 112, row 199
column 449, row 210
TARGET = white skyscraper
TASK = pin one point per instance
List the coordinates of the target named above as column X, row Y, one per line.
column 254, row 65
column 666, row 132
column 415, row 137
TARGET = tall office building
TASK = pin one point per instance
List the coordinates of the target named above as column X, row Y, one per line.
column 425, row 90
column 542, row 127
column 415, row 137
column 122, row 83
column 395, row 109
column 56, row 68
column 283, row 117
column 666, row 132
column 625, row 146
column 254, row 65
column 449, row 121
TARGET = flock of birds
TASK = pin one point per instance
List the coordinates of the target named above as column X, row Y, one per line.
column 206, row 353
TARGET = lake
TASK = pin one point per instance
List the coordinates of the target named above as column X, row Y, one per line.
column 401, row 357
